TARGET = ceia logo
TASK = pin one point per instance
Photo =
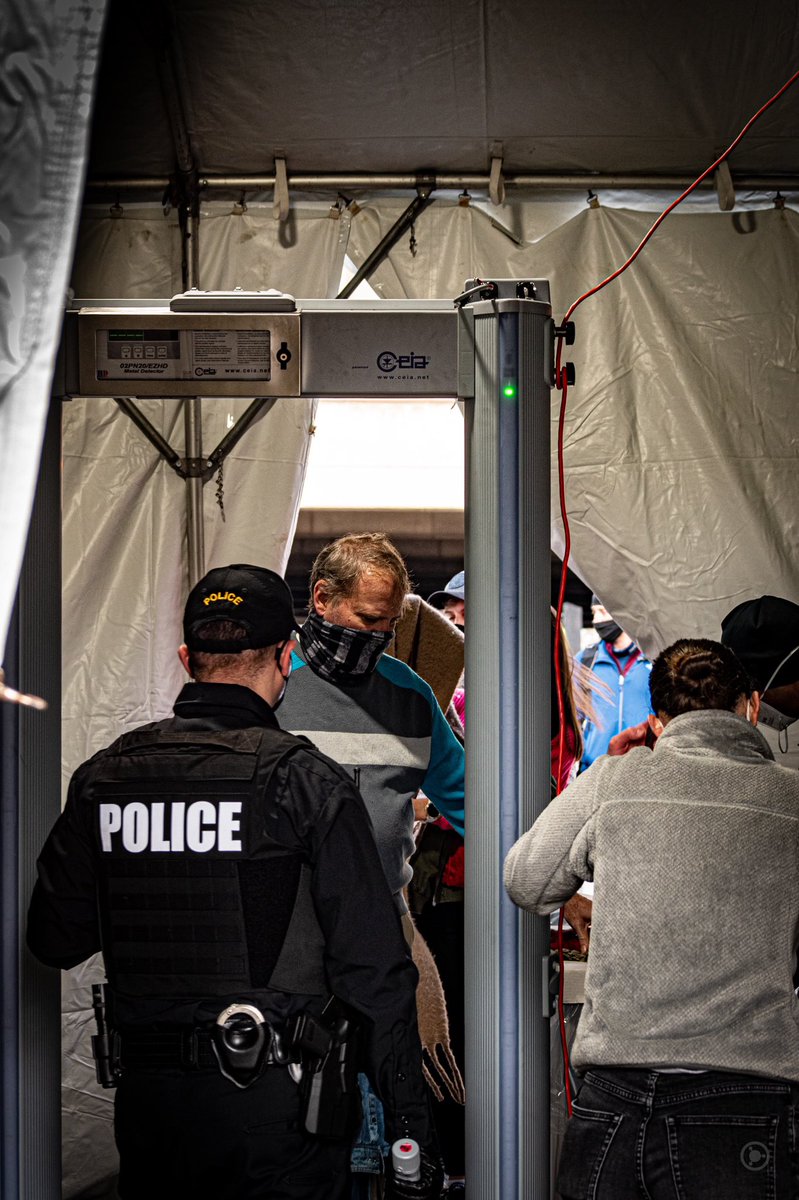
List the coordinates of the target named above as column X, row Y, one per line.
column 205, row 370
column 387, row 361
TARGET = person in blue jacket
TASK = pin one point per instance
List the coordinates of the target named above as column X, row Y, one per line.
column 621, row 665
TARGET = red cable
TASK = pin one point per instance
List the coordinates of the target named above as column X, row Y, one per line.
column 680, row 199
column 562, row 719
column 561, row 383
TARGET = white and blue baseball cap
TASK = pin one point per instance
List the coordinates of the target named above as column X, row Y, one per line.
column 455, row 590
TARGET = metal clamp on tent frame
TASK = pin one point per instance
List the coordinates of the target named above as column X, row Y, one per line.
column 204, row 466
column 425, row 185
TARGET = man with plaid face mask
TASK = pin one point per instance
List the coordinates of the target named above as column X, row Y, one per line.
column 367, row 710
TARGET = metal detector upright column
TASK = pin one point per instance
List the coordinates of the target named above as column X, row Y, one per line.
column 508, row 769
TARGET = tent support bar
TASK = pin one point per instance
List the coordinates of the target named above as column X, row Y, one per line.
column 195, row 477
column 405, row 221
column 191, row 466
column 151, row 433
column 259, row 405
column 449, row 182
column 195, row 528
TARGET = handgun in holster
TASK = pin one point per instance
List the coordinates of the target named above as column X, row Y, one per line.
column 329, row 1085
column 105, row 1043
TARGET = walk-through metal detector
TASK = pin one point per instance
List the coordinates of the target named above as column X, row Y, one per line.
column 493, row 351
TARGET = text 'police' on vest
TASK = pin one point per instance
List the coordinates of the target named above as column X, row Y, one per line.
column 200, row 826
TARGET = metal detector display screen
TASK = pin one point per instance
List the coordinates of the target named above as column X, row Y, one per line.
column 186, row 354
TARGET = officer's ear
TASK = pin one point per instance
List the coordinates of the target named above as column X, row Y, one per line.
column 284, row 657
column 183, row 655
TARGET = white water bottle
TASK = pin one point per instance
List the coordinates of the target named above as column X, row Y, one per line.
column 406, row 1160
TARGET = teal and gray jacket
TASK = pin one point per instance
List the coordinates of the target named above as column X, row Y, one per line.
column 388, row 731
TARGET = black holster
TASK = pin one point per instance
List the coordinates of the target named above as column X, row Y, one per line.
column 330, row 1056
column 105, row 1043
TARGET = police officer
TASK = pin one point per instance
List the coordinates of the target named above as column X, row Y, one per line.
column 228, row 872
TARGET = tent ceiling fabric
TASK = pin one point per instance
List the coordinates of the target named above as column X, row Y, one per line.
column 403, row 85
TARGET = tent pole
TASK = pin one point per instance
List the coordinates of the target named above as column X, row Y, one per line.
column 448, row 181
column 195, row 530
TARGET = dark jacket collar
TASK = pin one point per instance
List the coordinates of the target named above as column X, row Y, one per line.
column 227, row 705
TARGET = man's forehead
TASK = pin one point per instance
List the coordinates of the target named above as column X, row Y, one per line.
column 376, row 587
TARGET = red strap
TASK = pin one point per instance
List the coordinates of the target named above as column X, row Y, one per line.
column 636, row 654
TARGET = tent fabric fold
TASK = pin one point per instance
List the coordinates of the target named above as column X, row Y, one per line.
column 50, row 55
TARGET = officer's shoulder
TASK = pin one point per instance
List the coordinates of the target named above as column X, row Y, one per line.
column 304, row 757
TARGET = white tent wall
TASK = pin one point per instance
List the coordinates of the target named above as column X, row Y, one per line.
column 682, row 439
column 50, row 55
column 453, row 241
column 124, row 539
column 124, row 587
column 303, row 255
column 138, row 247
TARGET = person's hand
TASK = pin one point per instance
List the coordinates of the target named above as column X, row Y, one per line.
column 578, row 912
column 420, row 806
column 427, row 1187
column 628, row 739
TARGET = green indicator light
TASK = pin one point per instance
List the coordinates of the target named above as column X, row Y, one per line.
column 509, row 390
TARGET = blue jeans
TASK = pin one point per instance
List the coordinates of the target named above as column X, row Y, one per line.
column 370, row 1147
column 645, row 1135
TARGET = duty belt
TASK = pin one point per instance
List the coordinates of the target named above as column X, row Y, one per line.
column 187, row 1049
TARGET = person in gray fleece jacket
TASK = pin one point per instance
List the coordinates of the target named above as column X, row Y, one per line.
column 689, row 1035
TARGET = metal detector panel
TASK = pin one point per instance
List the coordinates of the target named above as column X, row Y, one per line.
column 153, row 352
column 350, row 352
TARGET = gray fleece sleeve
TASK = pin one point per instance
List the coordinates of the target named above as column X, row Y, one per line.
column 549, row 862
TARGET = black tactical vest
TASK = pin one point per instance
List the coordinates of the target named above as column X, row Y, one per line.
column 201, row 891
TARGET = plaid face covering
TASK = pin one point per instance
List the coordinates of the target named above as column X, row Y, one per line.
column 338, row 654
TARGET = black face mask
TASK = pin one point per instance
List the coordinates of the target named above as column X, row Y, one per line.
column 340, row 654
column 608, row 630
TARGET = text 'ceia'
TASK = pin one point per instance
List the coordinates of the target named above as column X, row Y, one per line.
column 200, row 826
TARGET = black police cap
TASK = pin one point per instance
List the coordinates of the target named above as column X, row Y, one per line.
column 762, row 633
column 254, row 598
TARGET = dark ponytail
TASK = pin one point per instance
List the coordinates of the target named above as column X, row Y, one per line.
column 696, row 673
